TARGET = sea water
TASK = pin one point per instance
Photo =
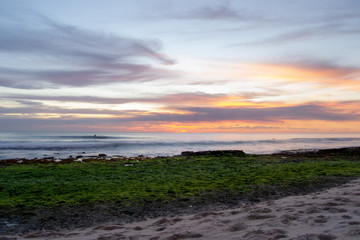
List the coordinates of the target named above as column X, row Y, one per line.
column 61, row 145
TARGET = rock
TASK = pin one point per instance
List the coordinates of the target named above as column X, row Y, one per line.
column 217, row 153
column 102, row 155
column 188, row 153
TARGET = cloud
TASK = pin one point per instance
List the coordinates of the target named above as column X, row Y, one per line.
column 327, row 68
column 316, row 27
column 181, row 108
column 46, row 124
column 35, row 111
column 42, row 46
column 270, row 114
column 256, row 127
column 178, row 99
column 40, row 116
column 37, row 79
column 324, row 73
column 325, row 30
column 222, row 11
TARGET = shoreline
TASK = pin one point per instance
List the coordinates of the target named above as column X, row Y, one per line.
column 62, row 145
column 216, row 153
column 67, row 218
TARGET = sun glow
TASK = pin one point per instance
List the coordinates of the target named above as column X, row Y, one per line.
column 299, row 73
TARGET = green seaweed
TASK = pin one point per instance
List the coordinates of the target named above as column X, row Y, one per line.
column 162, row 180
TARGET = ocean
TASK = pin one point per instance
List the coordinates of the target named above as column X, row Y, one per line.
column 61, row 145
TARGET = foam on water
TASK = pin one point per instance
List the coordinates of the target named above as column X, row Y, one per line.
column 31, row 145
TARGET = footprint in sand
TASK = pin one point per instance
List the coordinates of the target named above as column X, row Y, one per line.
column 312, row 210
column 289, row 209
column 336, row 210
column 333, row 204
column 266, row 234
column 204, row 215
column 287, row 219
column 226, row 221
column 260, row 210
column 185, row 235
column 321, row 219
column 342, row 199
column 298, row 204
column 237, row 227
column 314, row 237
column 138, row 228
column 175, row 220
column 160, row 229
column 260, row 216
column 111, row 237
column 163, row 221
column 234, row 212
column 109, row 227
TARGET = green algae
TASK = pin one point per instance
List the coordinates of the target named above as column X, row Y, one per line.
column 162, row 180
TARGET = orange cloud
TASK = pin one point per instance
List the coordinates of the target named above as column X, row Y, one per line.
column 320, row 73
column 285, row 126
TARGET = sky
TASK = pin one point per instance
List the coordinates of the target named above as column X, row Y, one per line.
column 289, row 66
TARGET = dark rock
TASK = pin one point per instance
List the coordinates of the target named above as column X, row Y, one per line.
column 347, row 150
column 217, row 153
column 350, row 151
column 187, row 153
column 102, row 155
column 79, row 156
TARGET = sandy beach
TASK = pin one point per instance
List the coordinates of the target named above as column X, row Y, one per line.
column 330, row 214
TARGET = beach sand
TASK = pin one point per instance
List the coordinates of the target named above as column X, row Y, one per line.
column 330, row 214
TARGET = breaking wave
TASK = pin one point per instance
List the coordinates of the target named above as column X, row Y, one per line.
column 63, row 145
column 164, row 144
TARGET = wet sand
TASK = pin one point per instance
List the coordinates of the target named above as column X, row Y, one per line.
column 326, row 215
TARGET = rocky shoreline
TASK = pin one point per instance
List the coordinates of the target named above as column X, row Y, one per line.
column 351, row 151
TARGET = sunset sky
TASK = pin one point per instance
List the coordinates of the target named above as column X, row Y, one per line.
column 180, row 66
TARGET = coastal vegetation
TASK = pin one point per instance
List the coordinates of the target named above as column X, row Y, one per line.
column 180, row 181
